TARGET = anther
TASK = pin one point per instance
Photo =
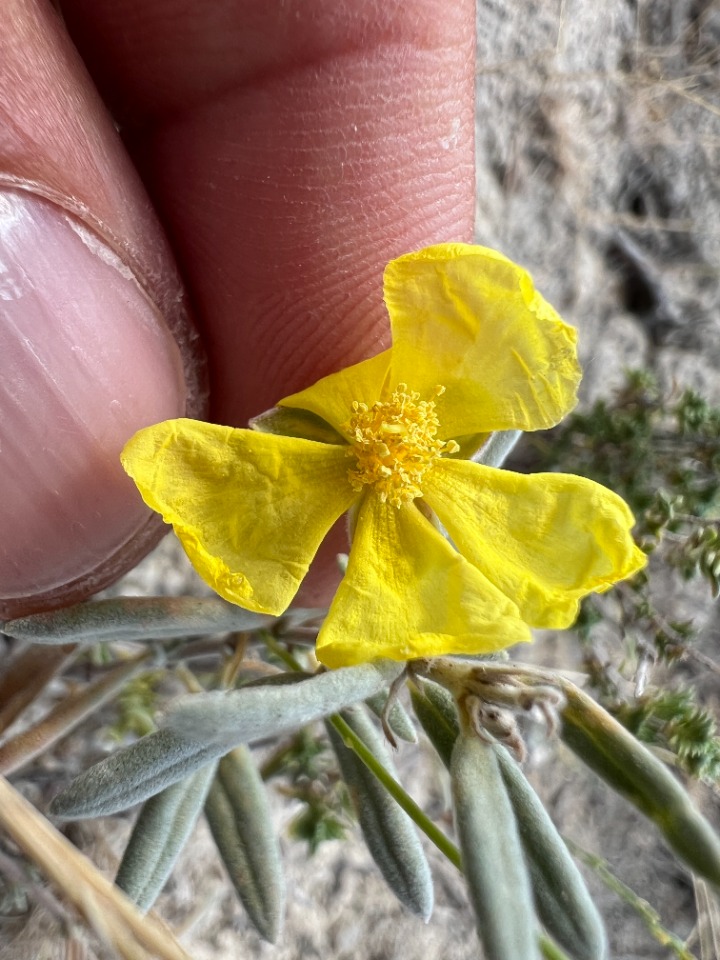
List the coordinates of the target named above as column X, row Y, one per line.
column 395, row 441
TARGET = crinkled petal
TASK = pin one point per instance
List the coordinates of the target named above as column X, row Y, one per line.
column 251, row 509
column 407, row 593
column 545, row 540
column 469, row 319
column 332, row 397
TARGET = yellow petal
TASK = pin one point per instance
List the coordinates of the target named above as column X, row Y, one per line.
column 469, row 319
column 251, row 509
column 407, row 593
column 332, row 397
column 545, row 540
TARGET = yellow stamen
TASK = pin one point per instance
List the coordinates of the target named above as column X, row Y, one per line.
column 394, row 443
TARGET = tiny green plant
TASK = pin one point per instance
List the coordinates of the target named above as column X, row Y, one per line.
column 661, row 451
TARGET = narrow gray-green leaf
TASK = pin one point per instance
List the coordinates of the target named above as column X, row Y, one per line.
column 435, row 708
column 242, row 716
column 203, row 727
column 497, row 448
column 389, row 832
column 135, row 618
column 159, row 835
column 239, row 815
column 398, row 719
column 132, row 775
column 492, row 857
column 630, row 769
column 564, row 905
column 290, row 422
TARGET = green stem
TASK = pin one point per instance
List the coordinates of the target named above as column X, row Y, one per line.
column 351, row 739
column 549, row 949
column 280, row 652
column 648, row 914
column 435, row 835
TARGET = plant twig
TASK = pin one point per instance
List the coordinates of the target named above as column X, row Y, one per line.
column 105, row 909
column 423, row 822
column 66, row 715
column 646, row 912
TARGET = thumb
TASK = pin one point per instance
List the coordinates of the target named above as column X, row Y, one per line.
column 91, row 314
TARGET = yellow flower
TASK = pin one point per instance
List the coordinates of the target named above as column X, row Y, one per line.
column 475, row 349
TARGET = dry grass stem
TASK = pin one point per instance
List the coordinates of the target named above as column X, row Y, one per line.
column 27, row 675
column 105, row 909
column 66, row 715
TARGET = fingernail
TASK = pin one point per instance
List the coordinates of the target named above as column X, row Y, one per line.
column 85, row 361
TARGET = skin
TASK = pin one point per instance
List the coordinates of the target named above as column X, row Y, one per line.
column 289, row 148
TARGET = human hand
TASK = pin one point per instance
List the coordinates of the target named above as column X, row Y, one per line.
column 290, row 148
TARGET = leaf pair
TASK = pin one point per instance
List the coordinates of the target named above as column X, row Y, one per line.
column 235, row 803
column 516, row 864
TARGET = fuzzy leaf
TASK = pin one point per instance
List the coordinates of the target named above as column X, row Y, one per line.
column 389, row 832
column 630, row 769
column 202, row 727
column 492, row 856
column 132, row 775
column 435, row 709
column 561, row 897
column 159, row 835
column 239, row 815
column 135, row 618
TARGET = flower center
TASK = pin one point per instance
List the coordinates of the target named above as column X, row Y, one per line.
column 394, row 443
